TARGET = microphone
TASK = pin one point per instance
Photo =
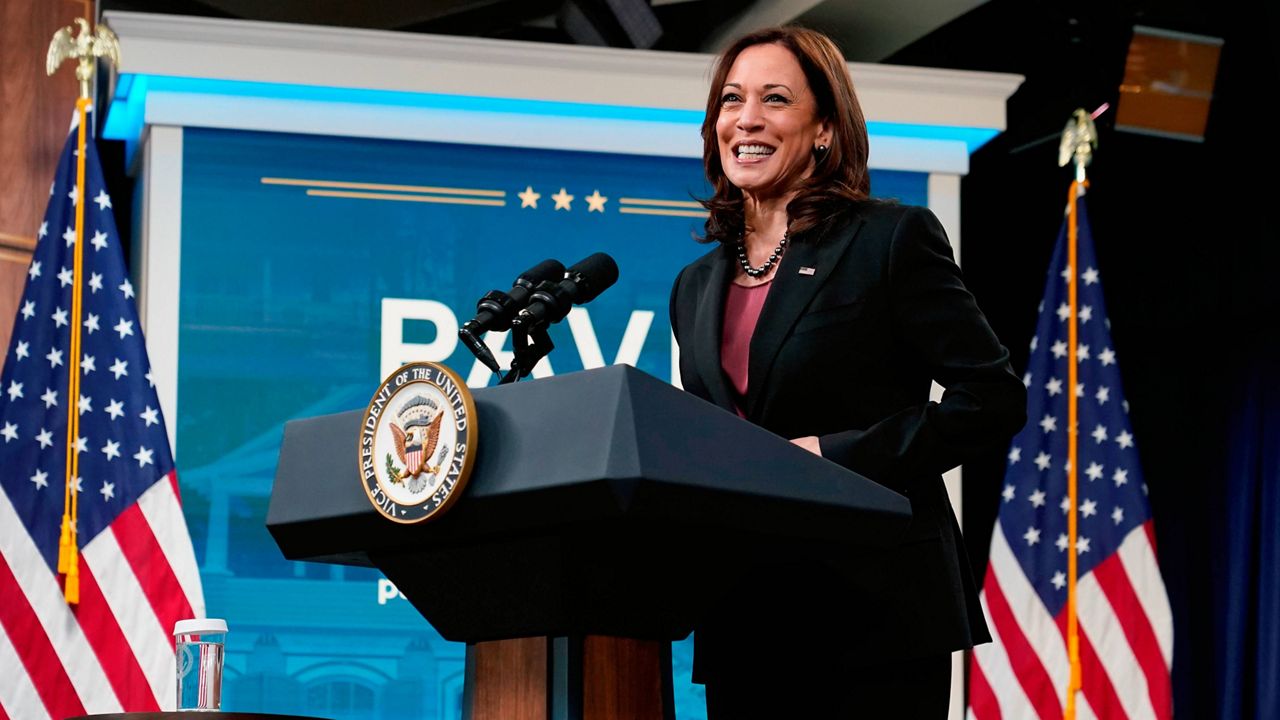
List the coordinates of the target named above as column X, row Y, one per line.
column 496, row 309
column 551, row 301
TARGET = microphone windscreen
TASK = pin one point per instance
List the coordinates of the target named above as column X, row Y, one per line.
column 547, row 270
column 596, row 274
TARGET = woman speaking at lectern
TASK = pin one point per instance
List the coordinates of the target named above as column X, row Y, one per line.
column 822, row 316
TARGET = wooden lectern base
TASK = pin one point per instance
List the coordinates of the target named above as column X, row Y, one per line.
column 584, row 678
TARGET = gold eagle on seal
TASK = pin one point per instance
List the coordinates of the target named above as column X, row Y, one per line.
column 416, row 437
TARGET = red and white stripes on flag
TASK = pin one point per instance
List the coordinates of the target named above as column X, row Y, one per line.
column 112, row 652
column 1126, row 640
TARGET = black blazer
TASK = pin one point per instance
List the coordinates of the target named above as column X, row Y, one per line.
column 856, row 325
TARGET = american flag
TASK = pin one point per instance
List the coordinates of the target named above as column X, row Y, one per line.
column 1125, row 627
column 113, row 650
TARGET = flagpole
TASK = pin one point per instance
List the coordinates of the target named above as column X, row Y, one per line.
column 85, row 49
column 1078, row 141
column 1073, row 630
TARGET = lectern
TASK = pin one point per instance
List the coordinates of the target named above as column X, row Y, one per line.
column 606, row 515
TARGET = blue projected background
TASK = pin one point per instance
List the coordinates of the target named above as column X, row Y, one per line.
column 291, row 245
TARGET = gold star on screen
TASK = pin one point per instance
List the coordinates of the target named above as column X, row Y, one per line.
column 529, row 198
column 563, row 200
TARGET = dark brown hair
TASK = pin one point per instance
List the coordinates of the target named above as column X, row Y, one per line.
column 840, row 176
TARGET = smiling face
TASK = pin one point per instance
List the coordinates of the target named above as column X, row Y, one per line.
column 768, row 125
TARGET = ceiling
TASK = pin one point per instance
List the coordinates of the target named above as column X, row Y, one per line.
column 1017, row 36
column 1071, row 53
column 868, row 30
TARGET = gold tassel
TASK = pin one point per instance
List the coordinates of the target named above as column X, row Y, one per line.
column 72, row 589
column 66, row 547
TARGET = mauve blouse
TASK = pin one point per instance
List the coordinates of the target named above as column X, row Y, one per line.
column 741, row 312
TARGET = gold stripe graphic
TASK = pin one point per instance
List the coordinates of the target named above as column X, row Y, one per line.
column 661, row 203
column 659, row 211
column 382, row 186
column 405, row 198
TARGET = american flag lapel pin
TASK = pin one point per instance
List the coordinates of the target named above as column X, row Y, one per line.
column 807, row 271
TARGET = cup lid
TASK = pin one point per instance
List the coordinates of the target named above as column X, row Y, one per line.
column 200, row 626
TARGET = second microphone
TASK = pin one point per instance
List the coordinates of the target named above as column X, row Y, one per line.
column 582, row 282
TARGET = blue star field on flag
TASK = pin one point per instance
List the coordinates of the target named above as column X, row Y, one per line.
column 123, row 446
column 1112, row 497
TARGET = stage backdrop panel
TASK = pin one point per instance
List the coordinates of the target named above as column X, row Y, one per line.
column 310, row 264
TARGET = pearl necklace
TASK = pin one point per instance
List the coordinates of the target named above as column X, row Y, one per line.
column 763, row 269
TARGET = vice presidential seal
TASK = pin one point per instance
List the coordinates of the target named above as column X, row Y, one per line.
column 417, row 442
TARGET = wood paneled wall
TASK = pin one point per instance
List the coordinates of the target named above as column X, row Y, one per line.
column 35, row 114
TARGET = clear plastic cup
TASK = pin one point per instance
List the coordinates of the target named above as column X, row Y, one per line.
column 199, row 647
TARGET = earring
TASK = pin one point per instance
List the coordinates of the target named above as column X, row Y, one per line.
column 822, row 149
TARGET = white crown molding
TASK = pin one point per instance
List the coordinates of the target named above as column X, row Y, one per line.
column 382, row 60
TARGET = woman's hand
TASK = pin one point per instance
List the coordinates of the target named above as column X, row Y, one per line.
column 810, row 443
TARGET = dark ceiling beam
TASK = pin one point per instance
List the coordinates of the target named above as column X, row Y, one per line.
column 760, row 14
column 380, row 15
column 610, row 23
column 194, row 8
column 872, row 30
column 494, row 18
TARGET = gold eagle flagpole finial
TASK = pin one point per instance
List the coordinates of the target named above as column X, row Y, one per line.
column 1079, row 140
column 84, row 48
